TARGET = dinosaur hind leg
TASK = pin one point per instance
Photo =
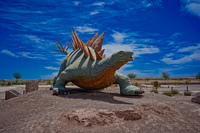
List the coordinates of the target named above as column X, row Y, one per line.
column 126, row 88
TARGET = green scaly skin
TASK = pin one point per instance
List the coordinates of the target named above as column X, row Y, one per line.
column 76, row 65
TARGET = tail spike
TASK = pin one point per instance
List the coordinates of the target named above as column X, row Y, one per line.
column 97, row 45
column 98, row 57
column 68, row 46
column 75, row 40
column 84, row 49
column 57, row 45
column 101, row 52
column 61, row 45
column 65, row 45
column 88, row 42
column 73, row 45
column 90, row 53
column 93, row 39
column 104, row 56
column 80, row 44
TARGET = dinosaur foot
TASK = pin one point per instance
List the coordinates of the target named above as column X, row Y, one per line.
column 131, row 90
column 60, row 91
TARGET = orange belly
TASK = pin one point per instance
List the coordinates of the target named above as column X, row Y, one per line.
column 104, row 80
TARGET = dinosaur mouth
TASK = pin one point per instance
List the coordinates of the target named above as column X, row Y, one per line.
column 132, row 57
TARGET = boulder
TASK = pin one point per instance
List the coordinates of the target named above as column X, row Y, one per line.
column 196, row 99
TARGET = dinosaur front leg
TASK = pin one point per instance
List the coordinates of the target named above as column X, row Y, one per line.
column 126, row 88
column 61, row 81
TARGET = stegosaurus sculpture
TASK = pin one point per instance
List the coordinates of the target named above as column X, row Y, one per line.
column 87, row 67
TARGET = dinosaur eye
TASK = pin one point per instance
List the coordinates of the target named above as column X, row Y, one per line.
column 121, row 52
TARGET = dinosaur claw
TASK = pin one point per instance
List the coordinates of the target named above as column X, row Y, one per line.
column 131, row 90
column 60, row 91
column 138, row 92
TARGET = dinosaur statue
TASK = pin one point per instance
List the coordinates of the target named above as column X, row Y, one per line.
column 87, row 67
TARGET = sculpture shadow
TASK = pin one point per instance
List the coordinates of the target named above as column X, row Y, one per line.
column 78, row 93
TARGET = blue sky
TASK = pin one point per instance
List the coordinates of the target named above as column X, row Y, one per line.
column 163, row 34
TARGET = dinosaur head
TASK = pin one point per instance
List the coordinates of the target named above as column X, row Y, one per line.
column 121, row 57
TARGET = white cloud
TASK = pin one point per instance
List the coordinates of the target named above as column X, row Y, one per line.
column 34, row 38
column 23, row 54
column 192, row 6
column 147, row 3
column 84, row 29
column 156, row 61
column 171, row 42
column 119, row 37
column 145, row 50
column 138, row 49
column 112, row 48
column 145, row 73
column 51, row 68
column 76, row 3
column 93, row 13
column 31, row 55
column 99, row 4
column 194, row 55
column 185, row 59
column 189, row 49
column 49, row 76
column 167, row 69
column 59, row 55
column 7, row 52
column 176, row 34
column 170, row 54
column 34, row 41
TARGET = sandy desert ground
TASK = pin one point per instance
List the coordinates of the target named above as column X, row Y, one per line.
column 99, row 111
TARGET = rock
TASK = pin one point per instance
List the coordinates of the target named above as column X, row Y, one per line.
column 196, row 99
column 31, row 86
column 11, row 94
column 142, row 85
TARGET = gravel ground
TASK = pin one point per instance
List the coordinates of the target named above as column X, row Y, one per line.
column 100, row 111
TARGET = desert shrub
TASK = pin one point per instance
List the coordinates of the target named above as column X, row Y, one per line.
column 13, row 82
column 187, row 93
column 168, row 94
column 155, row 91
column 3, row 82
column 174, row 83
column 187, row 82
column 48, row 82
column 22, row 82
column 136, row 84
column 175, row 92
column 151, row 83
column 180, row 78
column 9, row 82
